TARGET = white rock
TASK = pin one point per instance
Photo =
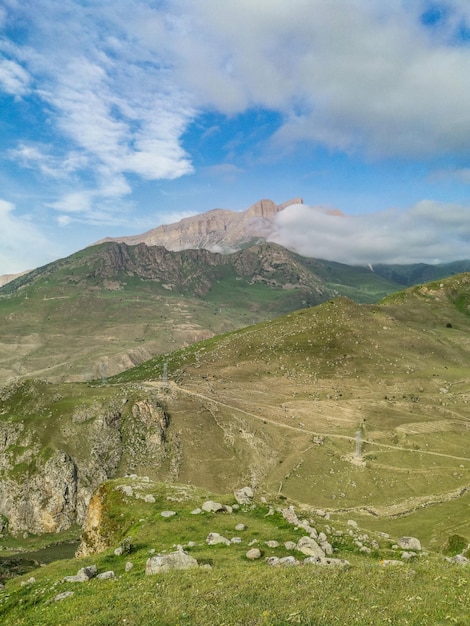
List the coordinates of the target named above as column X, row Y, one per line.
column 173, row 560
column 240, row 527
column 272, row 543
column 212, row 507
column 197, row 511
column 106, row 575
column 309, row 546
column 214, row 538
column 409, row 543
column 168, row 513
column 254, row 553
column 63, row 595
column 244, row 495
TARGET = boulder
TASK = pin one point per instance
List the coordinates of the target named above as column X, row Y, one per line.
column 310, row 547
column 173, row 560
column 106, row 575
column 63, row 595
column 409, row 543
column 212, row 507
column 214, row 538
column 318, row 560
column 244, row 495
column 288, row 561
column 83, row 574
column 254, row 553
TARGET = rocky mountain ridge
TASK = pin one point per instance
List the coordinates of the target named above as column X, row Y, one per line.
column 218, row 230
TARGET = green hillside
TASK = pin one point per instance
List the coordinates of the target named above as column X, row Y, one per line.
column 277, row 406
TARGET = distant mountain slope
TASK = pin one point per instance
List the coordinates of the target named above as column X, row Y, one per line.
column 111, row 306
column 219, row 230
column 277, row 406
column 416, row 273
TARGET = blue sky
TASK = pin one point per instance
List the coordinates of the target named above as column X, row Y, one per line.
column 117, row 116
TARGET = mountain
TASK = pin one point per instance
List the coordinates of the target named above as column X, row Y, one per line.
column 347, row 423
column 277, row 406
column 219, row 230
column 111, row 306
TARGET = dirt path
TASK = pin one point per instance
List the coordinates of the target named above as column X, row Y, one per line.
column 305, row 430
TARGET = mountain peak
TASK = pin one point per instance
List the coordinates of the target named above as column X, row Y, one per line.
column 218, row 230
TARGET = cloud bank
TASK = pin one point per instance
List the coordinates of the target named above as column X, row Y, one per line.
column 428, row 232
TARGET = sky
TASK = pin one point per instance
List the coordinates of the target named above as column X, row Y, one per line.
column 117, row 116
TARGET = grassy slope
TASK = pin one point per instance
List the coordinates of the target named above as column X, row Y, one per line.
column 234, row 590
column 279, row 404
column 68, row 321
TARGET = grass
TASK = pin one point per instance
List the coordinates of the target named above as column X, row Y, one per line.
column 234, row 590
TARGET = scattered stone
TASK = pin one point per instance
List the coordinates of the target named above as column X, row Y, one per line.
column 63, row 595
column 366, row 550
column 458, row 558
column 168, row 513
column 309, row 546
column 128, row 566
column 240, row 527
column 205, row 566
column 244, row 495
column 272, row 543
column 235, row 540
column 290, row 545
column 214, row 538
column 228, row 508
column 118, row 551
column 197, row 511
column 106, row 575
column 409, row 543
column 254, row 553
column 288, row 561
column 212, row 507
column 149, row 498
column 322, row 537
column 390, row 562
column 191, row 544
column 253, row 542
column 318, row 560
column 126, row 490
column 353, row 524
column 173, row 560
column 30, row 581
column 83, row 574
column 272, row 560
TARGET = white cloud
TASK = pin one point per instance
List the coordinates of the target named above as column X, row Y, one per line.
column 22, row 245
column 14, row 79
column 110, row 102
column 35, row 156
column 428, row 232
column 349, row 74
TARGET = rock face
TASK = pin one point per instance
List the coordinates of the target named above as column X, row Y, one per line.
column 46, row 490
column 218, row 230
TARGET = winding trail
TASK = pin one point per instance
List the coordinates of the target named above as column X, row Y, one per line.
column 304, row 430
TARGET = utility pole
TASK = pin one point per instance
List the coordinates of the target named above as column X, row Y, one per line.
column 165, row 374
column 358, row 444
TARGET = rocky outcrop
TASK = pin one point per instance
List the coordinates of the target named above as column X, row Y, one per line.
column 219, row 230
column 47, row 490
